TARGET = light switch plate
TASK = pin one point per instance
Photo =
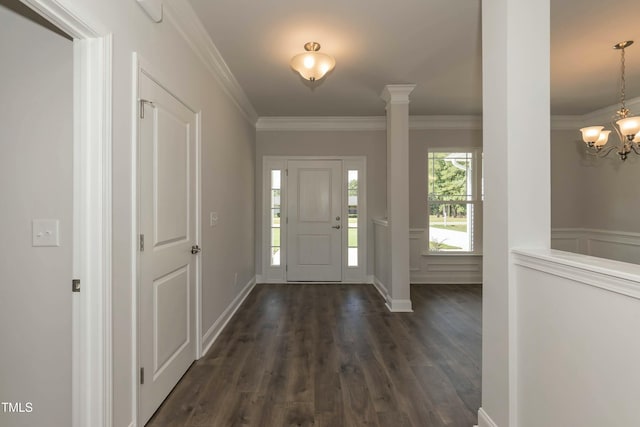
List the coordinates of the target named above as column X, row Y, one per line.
column 46, row 232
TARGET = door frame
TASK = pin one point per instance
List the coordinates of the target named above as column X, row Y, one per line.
column 278, row 274
column 91, row 392
column 140, row 65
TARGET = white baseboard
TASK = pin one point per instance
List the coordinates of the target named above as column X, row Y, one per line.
column 484, row 420
column 381, row 288
column 259, row 279
column 370, row 279
column 399, row 305
column 218, row 326
column 133, row 424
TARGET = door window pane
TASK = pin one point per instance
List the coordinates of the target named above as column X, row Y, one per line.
column 275, row 217
column 352, row 217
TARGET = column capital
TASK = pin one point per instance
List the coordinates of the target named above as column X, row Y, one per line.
column 397, row 93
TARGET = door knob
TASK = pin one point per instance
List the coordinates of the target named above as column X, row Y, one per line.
column 195, row 249
column 337, row 227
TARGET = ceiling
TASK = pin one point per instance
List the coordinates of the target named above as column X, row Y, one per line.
column 435, row 44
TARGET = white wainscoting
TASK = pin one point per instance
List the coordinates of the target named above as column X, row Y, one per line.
column 425, row 267
column 445, row 268
column 616, row 245
column 576, row 348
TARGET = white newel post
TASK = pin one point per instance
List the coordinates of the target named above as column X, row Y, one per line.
column 516, row 124
column 397, row 99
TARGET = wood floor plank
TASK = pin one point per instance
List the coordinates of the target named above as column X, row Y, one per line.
column 332, row 355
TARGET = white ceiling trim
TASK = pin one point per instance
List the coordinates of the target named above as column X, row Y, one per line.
column 189, row 26
column 445, row 122
column 370, row 123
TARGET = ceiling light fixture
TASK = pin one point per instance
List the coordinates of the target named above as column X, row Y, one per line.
column 626, row 125
column 312, row 65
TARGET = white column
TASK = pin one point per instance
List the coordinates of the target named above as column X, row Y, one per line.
column 397, row 99
column 516, row 117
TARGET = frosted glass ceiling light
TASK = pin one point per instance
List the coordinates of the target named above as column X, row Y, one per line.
column 312, row 65
column 626, row 125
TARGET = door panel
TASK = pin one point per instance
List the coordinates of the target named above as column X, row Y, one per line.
column 167, row 220
column 314, row 224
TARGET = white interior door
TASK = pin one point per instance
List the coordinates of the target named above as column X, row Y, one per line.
column 314, row 230
column 167, row 221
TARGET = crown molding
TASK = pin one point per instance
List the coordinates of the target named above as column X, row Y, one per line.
column 366, row 123
column 445, row 122
column 322, row 123
column 187, row 23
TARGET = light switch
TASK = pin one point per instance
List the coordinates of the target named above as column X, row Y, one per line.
column 46, row 232
column 213, row 219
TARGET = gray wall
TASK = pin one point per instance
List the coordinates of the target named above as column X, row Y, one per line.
column 36, row 181
column 589, row 192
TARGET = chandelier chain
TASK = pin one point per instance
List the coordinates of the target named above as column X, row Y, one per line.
column 622, row 83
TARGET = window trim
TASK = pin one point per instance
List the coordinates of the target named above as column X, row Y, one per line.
column 477, row 200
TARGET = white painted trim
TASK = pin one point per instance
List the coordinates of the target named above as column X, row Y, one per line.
column 218, row 326
column 399, row 305
column 445, row 122
column 382, row 289
column 370, row 279
column 484, row 420
column 91, row 392
column 613, row 276
column 259, row 279
column 462, row 122
column 187, row 23
column 370, row 123
column 611, row 243
column 365, row 123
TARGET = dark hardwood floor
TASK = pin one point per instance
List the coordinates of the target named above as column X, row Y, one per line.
column 332, row 355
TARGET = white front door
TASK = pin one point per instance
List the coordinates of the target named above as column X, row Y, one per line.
column 167, row 177
column 314, row 221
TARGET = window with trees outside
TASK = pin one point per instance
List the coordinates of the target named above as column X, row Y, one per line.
column 454, row 200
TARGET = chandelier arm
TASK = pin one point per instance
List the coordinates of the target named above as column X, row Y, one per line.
column 604, row 152
column 634, row 147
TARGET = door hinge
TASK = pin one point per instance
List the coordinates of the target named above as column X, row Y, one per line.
column 142, row 243
column 141, row 375
column 75, row 285
column 141, row 107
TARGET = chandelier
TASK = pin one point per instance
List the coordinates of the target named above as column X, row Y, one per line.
column 312, row 65
column 626, row 125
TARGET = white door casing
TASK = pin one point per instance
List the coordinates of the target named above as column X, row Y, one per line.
column 315, row 224
column 167, row 220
